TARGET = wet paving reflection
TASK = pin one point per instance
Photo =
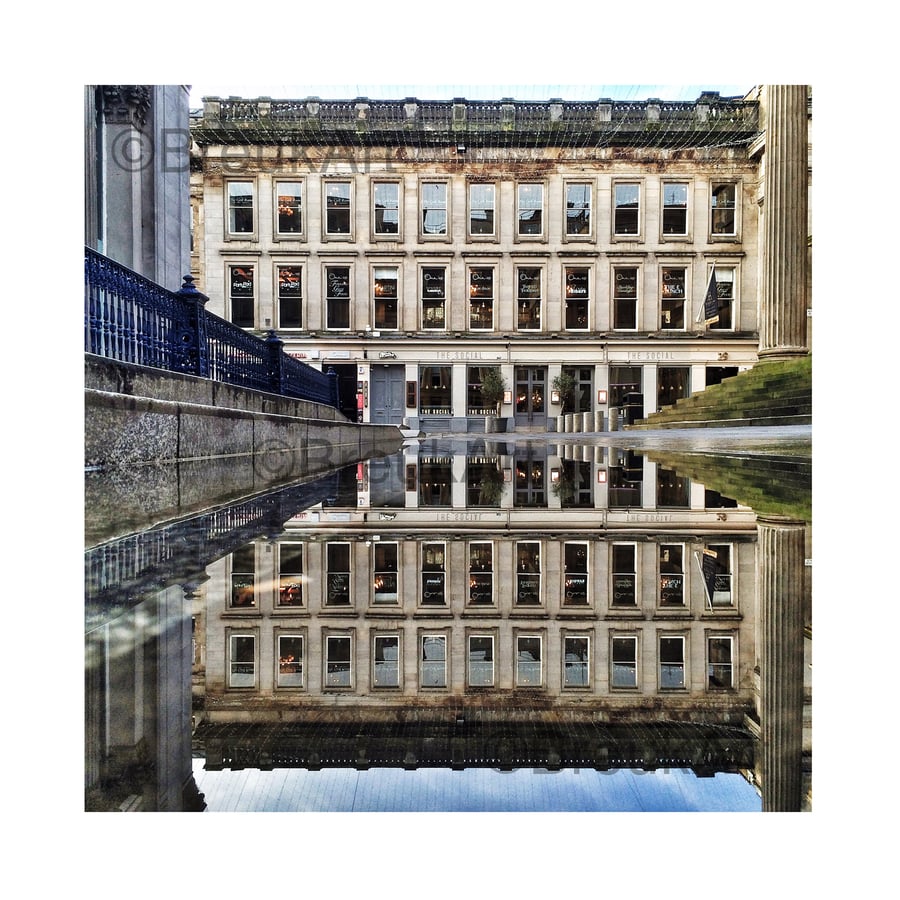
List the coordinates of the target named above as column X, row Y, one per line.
column 427, row 624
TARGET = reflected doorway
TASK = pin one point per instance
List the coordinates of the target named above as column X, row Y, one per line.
column 531, row 389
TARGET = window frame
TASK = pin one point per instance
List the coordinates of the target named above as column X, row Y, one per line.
column 438, row 573
column 252, row 606
column 731, row 637
column 387, row 635
column 664, row 577
column 424, row 234
column 521, row 303
column 444, row 637
column 613, row 575
column 571, row 603
column 541, row 234
column 251, row 234
column 386, row 235
column 681, row 637
column 277, row 282
column 494, row 235
column 277, row 234
column 566, row 300
column 329, row 571
column 421, row 273
column 329, row 635
column 725, row 236
column 568, row 236
column 373, row 281
column 521, row 572
column 470, row 573
column 483, row 634
column 622, row 236
column 338, row 236
column 232, row 635
column 687, row 234
column 673, row 301
column 490, row 301
column 734, row 309
column 297, row 586
column 392, row 598
column 615, row 269
column 327, row 296
column 731, row 605
column 528, row 635
column 585, row 664
column 636, row 643
column 289, row 633
column 253, row 299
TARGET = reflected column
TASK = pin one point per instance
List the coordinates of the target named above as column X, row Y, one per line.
column 781, row 580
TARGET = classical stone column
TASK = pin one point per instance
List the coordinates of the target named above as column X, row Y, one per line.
column 780, row 567
column 782, row 331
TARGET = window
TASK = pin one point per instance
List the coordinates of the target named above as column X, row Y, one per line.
column 529, row 482
column 529, row 295
column 242, row 661
column 337, row 208
column 624, row 575
column 481, row 660
column 240, row 208
column 434, row 208
column 719, row 662
column 623, row 661
column 623, row 380
column 433, row 294
column 481, row 573
column 384, row 574
column 675, row 208
column 578, row 210
column 528, row 573
column 481, row 298
column 433, row 661
column 673, row 383
column 577, row 298
column 243, row 577
column 722, row 594
column 337, row 297
column 482, row 200
column 435, row 395
column 576, row 661
column 475, row 402
column 581, row 398
column 725, row 300
column 626, row 479
column 484, row 481
column 435, row 481
column 337, row 574
column 626, row 209
column 386, row 661
column 241, row 295
column 290, row 660
column 575, row 486
column 290, row 575
column 434, row 574
column 671, row 662
column 290, row 296
column 384, row 289
column 338, row 661
column 673, row 490
column 672, row 294
column 386, row 208
column 671, row 575
column 723, row 208
column 530, row 210
column 575, row 565
column 625, row 296
column 288, row 208
column 529, row 664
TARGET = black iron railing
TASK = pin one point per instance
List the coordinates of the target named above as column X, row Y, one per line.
column 130, row 318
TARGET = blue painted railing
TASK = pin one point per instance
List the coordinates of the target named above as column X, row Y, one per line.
column 130, row 318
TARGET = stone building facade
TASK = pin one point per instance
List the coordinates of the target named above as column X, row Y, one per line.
column 412, row 245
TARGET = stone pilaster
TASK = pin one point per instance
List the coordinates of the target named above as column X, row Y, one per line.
column 780, row 566
column 782, row 331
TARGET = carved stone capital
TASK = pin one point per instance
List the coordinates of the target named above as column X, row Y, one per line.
column 125, row 104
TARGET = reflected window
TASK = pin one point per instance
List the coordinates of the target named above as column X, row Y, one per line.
column 337, row 575
column 625, row 298
column 337, row 297
column 529, row 672
column 337, row 208
column 623, row 661
column 484, row 481
column 290, row 660
column 528, row 573
column 384, row 291
column 671, row 662
column 626, row 209
column 530, row 210
column 723, row 208
column 578, row 210
column 722, row 594
column 481, row 573
column 338, row 661
column 240, row 207
column 290, row 574
column 719, row 662
column 626, row 478
column 290, row 296
column 530, row 484
column 481, row 298
column 671, row 575
column 675, row 208
column 434, row 297
column 386, row 661
column 673, row 292
column 434, row 208
column 433, row 661
column 577, row 298
column 576, row 661
column 435, row 391
column 384, row 575
column 434, row 574
column 243, row 577
column 672, row 489
column 241, row 295
column 482, row 202
column 435, row 481
column 289, row 208
column 724, row 301
column 242, row 661
column 575, row 563
column 386, row 211
column 481, row 660
column 529, row 298
column 575, row 486
column 624, row 575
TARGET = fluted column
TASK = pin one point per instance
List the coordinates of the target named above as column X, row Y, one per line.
column 780, row 566
column 782, row 330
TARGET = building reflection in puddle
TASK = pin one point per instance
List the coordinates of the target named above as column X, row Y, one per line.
column 463, row 606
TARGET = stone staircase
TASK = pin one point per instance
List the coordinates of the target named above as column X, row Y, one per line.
column 772, row 393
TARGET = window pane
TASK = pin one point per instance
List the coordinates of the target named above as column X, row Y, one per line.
column 387, row 661
column 337, row 662
column 290, row 661
column 481, row 661
column 289, row 296
column 624, row 662
column 528, row 661
column 576, row 673
column 240, row 207
column 387, row 208
column 290, row 218
column 578, row 209
column 627, row 198
column 337, row 208
column 434, row 660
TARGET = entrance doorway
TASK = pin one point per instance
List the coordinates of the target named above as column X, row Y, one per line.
column 531, row 389
column 346, row 388
column 387, row 398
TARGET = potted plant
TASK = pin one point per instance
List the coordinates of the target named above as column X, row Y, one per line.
column 493, row 387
